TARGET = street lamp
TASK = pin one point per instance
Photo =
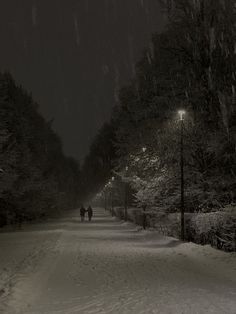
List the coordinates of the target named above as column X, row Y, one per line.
column 126, row 196
column 6, row 213
column 105, row 198
column 112, row 180
column 144, row 206
column 109, row 195
column 181, row 116
column 106, row 195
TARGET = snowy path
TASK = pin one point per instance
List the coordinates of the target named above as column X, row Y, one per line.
column 65, row 267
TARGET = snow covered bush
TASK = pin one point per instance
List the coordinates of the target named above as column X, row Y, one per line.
column 215, row 228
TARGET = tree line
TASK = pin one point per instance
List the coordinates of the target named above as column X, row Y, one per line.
column 36, row 179
column 190, row 66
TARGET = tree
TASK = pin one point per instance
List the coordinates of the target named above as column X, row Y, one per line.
column 98, row 164
column 36, row 178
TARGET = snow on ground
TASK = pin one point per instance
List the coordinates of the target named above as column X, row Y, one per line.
column 106, row 266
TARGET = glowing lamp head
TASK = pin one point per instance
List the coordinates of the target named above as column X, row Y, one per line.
column 144, row 149
column 113, row 179
column 181, row 114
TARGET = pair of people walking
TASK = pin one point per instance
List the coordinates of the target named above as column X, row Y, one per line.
column 83, row 211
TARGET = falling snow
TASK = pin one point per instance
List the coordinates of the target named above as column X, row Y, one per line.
column 34, row 15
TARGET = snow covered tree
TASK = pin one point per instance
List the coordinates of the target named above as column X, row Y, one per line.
column 190, row 65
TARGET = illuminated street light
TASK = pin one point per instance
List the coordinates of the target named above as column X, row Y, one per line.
column 144, row 149
column 181, row 116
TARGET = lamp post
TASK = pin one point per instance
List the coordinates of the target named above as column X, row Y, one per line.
column 112, row 180
column 144, row 206
column 181, row 115
column 6, row 213
column 126, row 197
column 105, row 198
column 109, row 195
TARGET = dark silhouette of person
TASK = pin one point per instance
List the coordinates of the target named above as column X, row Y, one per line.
column 82, row 213
column 90, row 213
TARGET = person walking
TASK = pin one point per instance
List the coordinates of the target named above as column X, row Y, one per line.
column 82, row 213
column 90, row 213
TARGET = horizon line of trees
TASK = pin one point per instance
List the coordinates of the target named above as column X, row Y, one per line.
column 191, row 66
column 36, row 179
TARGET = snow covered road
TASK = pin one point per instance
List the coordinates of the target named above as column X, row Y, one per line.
column 107, row 266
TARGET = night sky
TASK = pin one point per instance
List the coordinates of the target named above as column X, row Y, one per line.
column 73, row 55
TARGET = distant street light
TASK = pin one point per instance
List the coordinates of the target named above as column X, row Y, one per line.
column 2, row 172
column 126, row 196
column 144, row 206
column 181, row 115
column 112, row 180
column 105, row 198
column 106, row 195
column 109, row 196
